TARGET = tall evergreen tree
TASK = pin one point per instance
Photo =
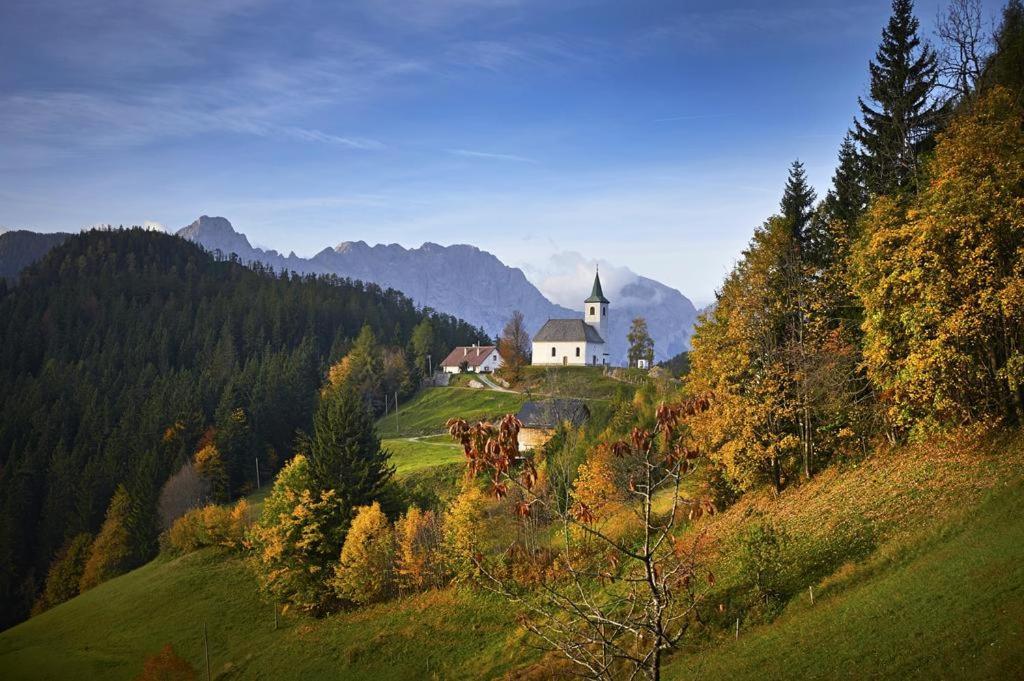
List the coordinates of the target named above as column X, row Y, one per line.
column 345, row 452
column 798, row 201
column 1005, row 66
column 902, row 116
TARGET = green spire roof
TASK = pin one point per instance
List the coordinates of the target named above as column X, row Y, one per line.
column 597, row 295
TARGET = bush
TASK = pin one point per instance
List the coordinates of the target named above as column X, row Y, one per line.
column 183, row 491
column 166, row 665
column 210, row 526
column 366, row 573
column 762, row 558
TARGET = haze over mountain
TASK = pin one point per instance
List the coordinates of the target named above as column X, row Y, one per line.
column 478, row 287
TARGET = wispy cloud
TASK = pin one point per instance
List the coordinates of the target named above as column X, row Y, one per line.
column 470, row 153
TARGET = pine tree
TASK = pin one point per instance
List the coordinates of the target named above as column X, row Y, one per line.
column 797, row 202
column 848, row 197
column 1005, row 66
column 345, row 452
column 901, row 117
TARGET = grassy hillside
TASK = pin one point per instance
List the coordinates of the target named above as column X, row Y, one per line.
column 410, row 455
column 428, row 411
column 951, row 606
column 107, row 632
column 583, row 382
column 916, row 557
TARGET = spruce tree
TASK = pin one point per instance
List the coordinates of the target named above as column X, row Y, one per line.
column 797, row 201
column 848, row 197
column 902, row 116
column 345, row 452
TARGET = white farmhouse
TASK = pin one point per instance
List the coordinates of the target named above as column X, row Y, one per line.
column 575, row 342
column 475, row 358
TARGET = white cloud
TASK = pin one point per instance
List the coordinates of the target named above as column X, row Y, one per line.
column 567, row 277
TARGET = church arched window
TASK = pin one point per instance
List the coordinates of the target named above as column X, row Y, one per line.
column 591, row 310
column 604, row 311
column 552, row 350
column 577, row 352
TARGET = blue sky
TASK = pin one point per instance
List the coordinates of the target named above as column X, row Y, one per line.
column 652, row 135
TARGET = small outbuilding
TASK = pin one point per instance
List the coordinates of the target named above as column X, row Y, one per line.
column 540, row 419
column 473, row 358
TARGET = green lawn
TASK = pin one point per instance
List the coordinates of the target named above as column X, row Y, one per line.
column 948, row 606
column 107, row 632
column 415, row 455
column 430, row 409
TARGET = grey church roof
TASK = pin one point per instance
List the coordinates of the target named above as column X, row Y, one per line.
column 551, row 413
column 596, row 294
column 567, row 331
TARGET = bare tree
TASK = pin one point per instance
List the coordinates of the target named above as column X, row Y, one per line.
column 614, row 602
column 965, row 47
column 182, row 492
column 514, row 346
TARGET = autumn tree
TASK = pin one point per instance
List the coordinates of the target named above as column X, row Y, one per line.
column 111, row 553
column 940, row 277
column 366, row 570
column 65, row 573
column 419, row 538
column 182, row 492
column 964, row 47
column 514, row 347
column 210, row 466
column 900, row 117
column 641, row 345
column 298, row 539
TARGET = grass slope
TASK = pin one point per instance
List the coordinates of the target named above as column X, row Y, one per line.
column 430, row 409
column 951, row 606
column 107, row 632
column 410, row 455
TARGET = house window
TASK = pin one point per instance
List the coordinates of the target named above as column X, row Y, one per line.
column 577, row 352
column 552, row 351
column 591, row 310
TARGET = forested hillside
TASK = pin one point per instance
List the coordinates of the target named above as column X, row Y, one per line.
column 123, row 351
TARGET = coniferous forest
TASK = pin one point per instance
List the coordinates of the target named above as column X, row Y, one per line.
column 123, row 350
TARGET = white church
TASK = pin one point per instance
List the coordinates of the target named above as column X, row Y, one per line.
column 575, row 342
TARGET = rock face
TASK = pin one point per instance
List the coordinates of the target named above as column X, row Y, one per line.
column 469, row 283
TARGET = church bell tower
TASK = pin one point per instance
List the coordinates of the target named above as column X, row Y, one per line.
column 595, row 308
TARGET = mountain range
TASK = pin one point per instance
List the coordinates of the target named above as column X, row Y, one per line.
column 461, row 280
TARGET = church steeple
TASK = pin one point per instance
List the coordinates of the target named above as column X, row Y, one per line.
column 595, row 308
column 596, row 294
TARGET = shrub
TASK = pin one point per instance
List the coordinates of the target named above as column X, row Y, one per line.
column 366, row 573
column 210, row 526
column 762, row 549
column 166, row 665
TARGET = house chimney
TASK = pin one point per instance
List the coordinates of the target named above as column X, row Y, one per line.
column 465, row 351
column 477, row 350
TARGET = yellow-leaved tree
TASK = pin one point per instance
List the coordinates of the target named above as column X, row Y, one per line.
column 941, row 278
column 366, row 572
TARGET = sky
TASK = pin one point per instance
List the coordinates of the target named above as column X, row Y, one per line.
column 648, row 135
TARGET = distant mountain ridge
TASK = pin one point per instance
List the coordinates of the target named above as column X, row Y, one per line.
column 461, row 280
column 469, row 283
